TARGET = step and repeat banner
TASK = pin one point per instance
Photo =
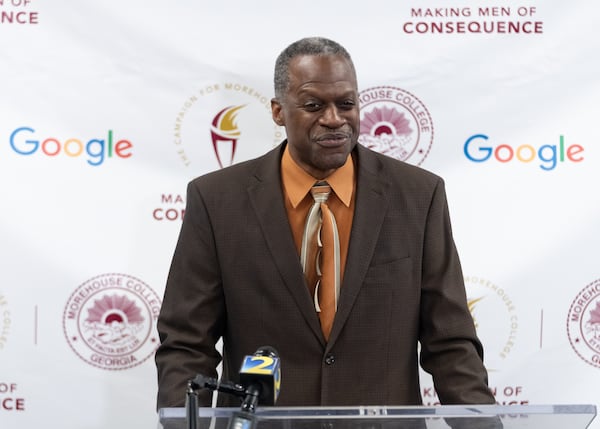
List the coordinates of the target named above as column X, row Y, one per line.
column 108, row 109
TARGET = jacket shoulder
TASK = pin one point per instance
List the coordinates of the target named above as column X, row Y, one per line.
column 242, row 173
column 394, row 169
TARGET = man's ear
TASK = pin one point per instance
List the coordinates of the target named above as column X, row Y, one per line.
column 277, row 112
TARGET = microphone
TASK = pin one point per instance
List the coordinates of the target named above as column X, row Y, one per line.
column 260, row 381
column 202, row 382
column 260, row 375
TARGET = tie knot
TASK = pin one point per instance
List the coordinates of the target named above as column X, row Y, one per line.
column 320, row 192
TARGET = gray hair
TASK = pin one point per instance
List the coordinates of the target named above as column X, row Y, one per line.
column 306, row 46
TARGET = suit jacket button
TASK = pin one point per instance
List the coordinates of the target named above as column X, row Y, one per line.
column 330, row 359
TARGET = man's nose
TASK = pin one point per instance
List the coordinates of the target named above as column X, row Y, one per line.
column 331, row 117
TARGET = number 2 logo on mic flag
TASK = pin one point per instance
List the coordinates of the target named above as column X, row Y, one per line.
column 263, row 365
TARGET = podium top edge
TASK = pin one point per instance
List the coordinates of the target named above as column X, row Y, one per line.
column 354, row 411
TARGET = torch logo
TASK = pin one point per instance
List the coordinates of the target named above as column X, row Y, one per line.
column 230, row 119
column 224, row 133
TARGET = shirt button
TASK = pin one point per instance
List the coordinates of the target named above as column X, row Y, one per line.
column 330, row 359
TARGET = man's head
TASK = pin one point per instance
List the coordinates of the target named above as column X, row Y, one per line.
column 316, row 100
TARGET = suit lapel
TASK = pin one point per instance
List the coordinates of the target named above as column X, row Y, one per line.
column 366, row 224
column 266, row 196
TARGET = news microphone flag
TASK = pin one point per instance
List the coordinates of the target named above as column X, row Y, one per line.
column 263, row 370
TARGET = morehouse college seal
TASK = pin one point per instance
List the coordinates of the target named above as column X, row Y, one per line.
column 396, row 123
column 583, row 324
column 109, row 321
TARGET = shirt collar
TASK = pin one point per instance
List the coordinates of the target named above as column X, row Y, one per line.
column 298, row 182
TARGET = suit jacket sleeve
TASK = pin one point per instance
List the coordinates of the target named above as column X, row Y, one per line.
column 192, row 314
column 450, row 349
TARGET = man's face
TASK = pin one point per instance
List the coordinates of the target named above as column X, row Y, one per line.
column 320, row 112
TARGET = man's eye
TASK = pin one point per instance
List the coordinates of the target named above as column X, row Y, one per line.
column 348, row 104
column 312, row 107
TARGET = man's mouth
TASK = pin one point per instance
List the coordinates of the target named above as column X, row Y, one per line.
column 333, row 139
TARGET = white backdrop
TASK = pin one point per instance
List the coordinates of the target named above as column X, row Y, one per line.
column 105, row 114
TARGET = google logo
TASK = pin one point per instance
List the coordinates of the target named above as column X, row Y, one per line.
column 477, row 149
column 24, row 141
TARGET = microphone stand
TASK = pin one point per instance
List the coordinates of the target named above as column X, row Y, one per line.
column 242, row 420
column 191, row 405
column 250, row 399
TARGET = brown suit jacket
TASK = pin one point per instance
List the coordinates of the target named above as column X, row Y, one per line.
column 236, row 274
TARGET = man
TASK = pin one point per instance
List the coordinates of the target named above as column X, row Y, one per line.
column 237, row 272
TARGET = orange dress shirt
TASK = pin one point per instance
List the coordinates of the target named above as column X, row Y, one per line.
column 298, row 200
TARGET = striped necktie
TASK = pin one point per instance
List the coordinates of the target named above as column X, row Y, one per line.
column 320, row 256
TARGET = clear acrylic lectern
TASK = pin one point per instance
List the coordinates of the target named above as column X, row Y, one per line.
column 376, row 417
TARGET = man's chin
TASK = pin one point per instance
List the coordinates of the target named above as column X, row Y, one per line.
column 332, row 161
